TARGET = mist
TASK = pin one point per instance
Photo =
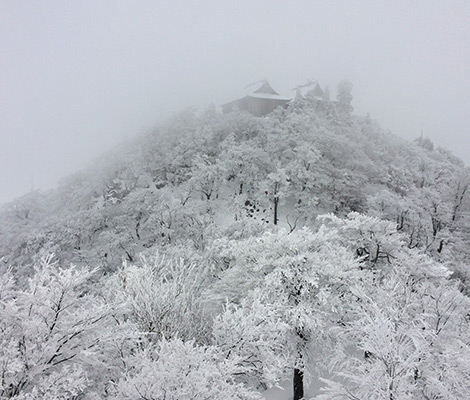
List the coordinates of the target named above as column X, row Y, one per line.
column 80, row 77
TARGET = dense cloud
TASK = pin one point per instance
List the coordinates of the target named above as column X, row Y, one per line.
column 79, row 77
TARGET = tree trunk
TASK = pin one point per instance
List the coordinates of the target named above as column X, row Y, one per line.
column 298, row 381
column 276, row 202
column 298, row 384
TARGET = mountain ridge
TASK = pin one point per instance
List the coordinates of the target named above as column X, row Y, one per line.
column 224, row 253
column 308, row 156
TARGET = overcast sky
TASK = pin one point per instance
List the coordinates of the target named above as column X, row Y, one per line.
column 77, row 77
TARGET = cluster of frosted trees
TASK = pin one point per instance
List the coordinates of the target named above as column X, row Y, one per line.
column 350, row 303
column 233, row 252
column 202, row 177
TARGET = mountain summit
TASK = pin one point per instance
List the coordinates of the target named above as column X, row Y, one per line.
column 224, row 253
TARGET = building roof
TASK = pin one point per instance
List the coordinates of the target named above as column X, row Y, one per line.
column 265, row 91
column 260, row 102
column 268, row 96
column 266, row 88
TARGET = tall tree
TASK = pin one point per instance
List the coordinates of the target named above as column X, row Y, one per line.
column 298, row 277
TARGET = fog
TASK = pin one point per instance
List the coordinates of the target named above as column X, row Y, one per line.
column 79, row 77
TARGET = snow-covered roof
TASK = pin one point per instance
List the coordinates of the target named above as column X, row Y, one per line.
column 260, row 102
column 266, row 88
column 265, row 91
column 268, row 96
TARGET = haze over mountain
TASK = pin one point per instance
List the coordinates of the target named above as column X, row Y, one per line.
column 78, row 78
column 185, row 228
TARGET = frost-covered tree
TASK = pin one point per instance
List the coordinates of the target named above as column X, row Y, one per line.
column 296, row 281
column 404, row 325
column 344, row 97
column 256, row 334
column 161, row 297
column 51, row 333
column 175, row 370
column 404, row 339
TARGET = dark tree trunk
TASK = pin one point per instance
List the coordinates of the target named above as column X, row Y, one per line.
column 276, row 202
column 298, row 384
column 298, row 381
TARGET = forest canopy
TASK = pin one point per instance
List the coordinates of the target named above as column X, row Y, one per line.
column 222, row 254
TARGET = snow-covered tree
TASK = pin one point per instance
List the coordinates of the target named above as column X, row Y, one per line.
column 405, row 339
column 404, row 324
column 344, row 97
column 51, row 333
column 298, row 278
column 176, row 369
column 161, row 296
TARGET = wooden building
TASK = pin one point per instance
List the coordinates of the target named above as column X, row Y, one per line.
column 258, row 103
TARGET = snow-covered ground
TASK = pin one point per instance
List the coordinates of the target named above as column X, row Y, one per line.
column 284, row 392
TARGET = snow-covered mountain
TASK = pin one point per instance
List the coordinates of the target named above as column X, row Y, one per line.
column 217, row 277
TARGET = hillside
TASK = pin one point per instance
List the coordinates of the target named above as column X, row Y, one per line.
column 201, row 175
column 236, row 250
